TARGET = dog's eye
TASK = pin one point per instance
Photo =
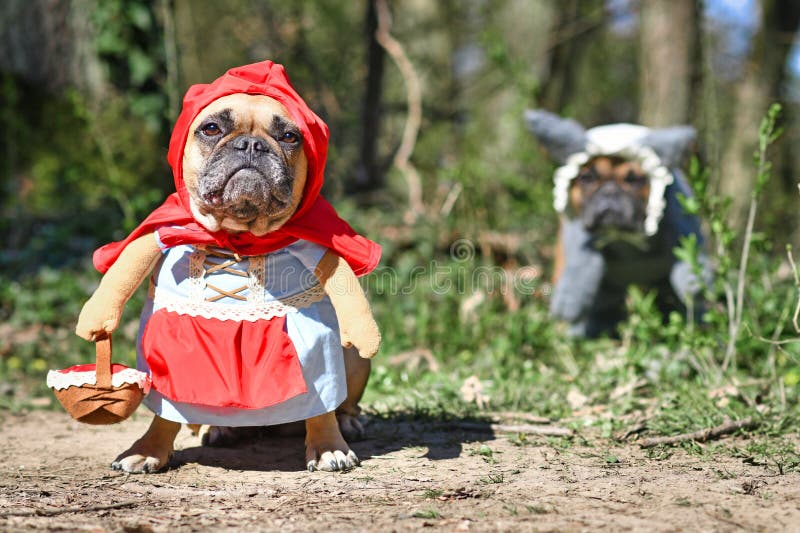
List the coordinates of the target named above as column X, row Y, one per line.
column 635, row 179
column 211, row 129
column 290, row 137
column 587, row 176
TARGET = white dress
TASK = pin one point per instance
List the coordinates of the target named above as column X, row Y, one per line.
column 193, row 289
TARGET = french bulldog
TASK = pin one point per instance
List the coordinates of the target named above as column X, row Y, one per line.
column 620, row 219
column 253, row 290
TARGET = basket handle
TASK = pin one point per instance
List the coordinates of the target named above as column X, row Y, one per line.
column 103, row 366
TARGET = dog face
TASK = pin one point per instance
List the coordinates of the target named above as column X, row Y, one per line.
column 244, row 165
column 610, row 193
column 568, row 143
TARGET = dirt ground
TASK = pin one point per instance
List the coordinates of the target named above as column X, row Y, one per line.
column 54, row 475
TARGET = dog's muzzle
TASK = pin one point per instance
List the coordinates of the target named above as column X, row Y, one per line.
column 612, row 208
column 247, row 179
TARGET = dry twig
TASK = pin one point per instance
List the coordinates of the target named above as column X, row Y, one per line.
column 511, row 415
column 53, row 511
column 703, row 435
column 528, row 429
column 412, row 359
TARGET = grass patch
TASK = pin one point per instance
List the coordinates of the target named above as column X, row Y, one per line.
column 432, row 494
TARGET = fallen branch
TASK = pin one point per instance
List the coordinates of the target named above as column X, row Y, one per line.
column 634, row 430
column 527, row 429
column 703, row 435
column 53, row 511
column 511, row 415
column 412, row 359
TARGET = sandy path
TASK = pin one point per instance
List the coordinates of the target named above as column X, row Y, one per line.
column 54, row 475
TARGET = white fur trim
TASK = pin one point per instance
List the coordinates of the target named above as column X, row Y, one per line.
column 618, row 140
column 60, row 380
column 614, row 139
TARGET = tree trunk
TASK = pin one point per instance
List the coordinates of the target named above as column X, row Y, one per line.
column 668, row 38
column 369, row 175
column 51, row 44
column 573, row 29
column 764, row 76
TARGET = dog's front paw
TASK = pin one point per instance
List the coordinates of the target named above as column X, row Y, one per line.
column 151, row 452
column 326, row 449
column 139, row 464
column 330, row 461
column 142, row 459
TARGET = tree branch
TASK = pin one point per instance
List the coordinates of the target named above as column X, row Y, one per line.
column 413, row 119
column 703, row 435
column 527, row 429
column 53, row 511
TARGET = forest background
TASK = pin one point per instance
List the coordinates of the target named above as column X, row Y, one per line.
column 430, row 157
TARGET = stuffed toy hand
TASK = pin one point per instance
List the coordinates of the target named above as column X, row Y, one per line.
column 357, row 327
column 96, row 317
column 364, row 336
column 101, row 313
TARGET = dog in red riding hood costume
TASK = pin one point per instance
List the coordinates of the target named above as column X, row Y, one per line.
column 253, row 289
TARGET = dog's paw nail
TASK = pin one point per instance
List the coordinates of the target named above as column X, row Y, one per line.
column 312, row 466
column 353, row 458
column 341, row 460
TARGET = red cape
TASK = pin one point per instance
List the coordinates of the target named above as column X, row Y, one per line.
column 315, row 219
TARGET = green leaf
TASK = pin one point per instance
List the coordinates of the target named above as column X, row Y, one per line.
column 141, row 67
column 139, row 16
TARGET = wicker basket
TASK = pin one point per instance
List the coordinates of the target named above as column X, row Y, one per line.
column 101, row 393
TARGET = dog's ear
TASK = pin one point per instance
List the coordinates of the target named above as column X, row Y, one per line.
column 561, row 137
column 672, row 144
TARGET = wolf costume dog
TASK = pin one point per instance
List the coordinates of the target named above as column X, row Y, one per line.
column 617, row 192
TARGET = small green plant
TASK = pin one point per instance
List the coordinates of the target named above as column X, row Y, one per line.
column 743, row 314
column 683, row 502
column 492, row 479
column 432, row 494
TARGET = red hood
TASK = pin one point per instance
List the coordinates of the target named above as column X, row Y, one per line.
column 265, row 78
column 315, row 220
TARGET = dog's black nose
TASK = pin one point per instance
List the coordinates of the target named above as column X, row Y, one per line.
column 250, row 144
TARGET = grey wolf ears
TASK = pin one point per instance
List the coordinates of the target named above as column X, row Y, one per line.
column 562, row 137
column 672, row 144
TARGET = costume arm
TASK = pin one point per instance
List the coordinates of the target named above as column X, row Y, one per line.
column 101, row 313
column 357, row 326
column 581, row 275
